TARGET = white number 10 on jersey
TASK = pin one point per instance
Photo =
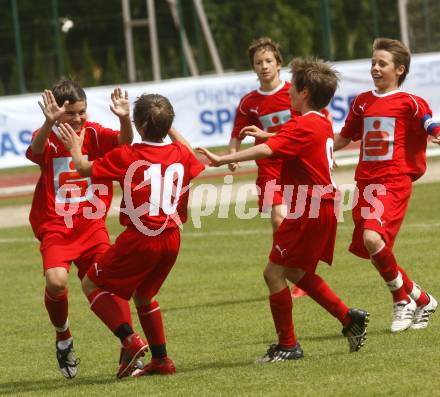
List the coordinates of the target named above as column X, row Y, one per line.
column 163, row 190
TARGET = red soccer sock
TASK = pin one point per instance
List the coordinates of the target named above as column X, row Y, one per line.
column 413, row 290
column 151, row 322
column 389, row 270
column 281, row 307
column 57, row 307
column 124, row 305
column 103, row 304
column 321, row 293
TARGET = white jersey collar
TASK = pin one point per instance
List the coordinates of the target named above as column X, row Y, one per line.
column 314, row 111
column 276, row 89
column 386, row 94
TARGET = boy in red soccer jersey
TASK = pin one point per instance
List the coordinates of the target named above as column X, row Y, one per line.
column 305, row 144
column 155, row 178
column 68, row 211
column 267, row 108
column 393, row 127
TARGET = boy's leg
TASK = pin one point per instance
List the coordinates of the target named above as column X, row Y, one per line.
column 383, row 259
column 278, row 213
column 426, row 303
column 322, row 294
column 86, row 262
column 280, row 301
column 354, row 321
column 413, row 290
column 56, row 301
column 148, row 309
column 150, row 318
column 57, row 306
column 103, row 304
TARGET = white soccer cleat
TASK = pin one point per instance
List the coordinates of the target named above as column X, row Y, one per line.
column 403, row 315
column 422, row 314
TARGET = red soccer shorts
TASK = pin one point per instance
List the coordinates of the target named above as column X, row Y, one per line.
column 82, row 245
column 137, row 262
column 393, row 198
column 270, row 193
column 303, row 242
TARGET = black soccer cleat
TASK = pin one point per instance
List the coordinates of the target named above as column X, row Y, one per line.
column 276, row 353
column 356, row 331
column 67, row 361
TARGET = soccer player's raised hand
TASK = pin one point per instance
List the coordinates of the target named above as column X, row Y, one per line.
column 69, row 138
column 214, row 159
column 120, row 105
column 50, row 108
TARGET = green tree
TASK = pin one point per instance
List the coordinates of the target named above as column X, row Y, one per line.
column 236, row 24
column 89, row 69
column 39, row 77
column 143, row 70
column 68, row 67
column 112, row 73
column 13, row 80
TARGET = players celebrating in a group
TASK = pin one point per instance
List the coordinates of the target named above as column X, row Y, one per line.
column 305, row 146
column 393, row 127
column 155, row 178
column 62, row 198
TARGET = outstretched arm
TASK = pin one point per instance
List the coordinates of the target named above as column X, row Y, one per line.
column 73, row 143
column 340, row 142
column 120, row 106
column 261, row 151
column 52, row 112
column 176, row 136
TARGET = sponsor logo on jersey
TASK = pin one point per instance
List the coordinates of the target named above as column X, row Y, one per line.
column 271, row 120
column 69, row 186
column 378, row 138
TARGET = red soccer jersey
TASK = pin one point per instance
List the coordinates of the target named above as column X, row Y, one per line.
column 61, row 190
column 268, row 111
column 306, row 145
column 393, row 128
column 155, row 179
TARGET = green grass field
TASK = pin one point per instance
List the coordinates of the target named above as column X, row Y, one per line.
column 218, row 320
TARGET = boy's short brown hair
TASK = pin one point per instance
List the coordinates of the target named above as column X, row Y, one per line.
column 401, row 54
column 153, row 116
column 68, row 90
column 264, row 43
column 318, row 77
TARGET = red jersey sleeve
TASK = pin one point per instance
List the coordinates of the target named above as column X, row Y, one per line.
column 287, row 142
column 107, row 138
column 241, row 118
column 352, row 128
column 423, row 117
column 195, row 167
column 113, row 165
column 36, row 158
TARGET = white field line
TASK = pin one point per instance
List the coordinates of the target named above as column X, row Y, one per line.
column 239, row 232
